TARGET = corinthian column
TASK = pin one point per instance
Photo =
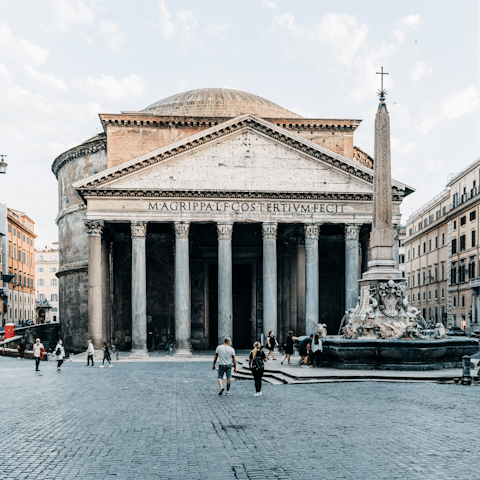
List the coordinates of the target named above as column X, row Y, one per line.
column 225, row 293
column 352, row 275
column 312, row 288
column 139, row 289
column 96, row 322
column 269, row 233
column 183, row 326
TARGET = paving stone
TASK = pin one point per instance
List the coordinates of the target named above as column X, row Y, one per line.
column 165, row 420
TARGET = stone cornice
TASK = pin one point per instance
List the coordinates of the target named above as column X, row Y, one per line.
column 79, row 151
column 70, row 210
column 71, row 268
column 139, row 119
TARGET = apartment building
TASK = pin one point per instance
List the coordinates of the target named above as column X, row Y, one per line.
column 442, row 253
column 21, row 264
column 46, row 264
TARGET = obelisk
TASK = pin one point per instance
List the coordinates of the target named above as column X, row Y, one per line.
column 382, row 263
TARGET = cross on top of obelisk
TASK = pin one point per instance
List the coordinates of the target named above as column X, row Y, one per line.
column 382, row 92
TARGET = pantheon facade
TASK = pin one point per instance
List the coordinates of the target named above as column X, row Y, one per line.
column 212, row 213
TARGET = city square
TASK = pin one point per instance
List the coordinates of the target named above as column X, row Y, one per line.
column 239, row 241
column 166, row 420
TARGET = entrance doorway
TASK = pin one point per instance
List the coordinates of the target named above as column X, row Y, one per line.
column 242, row 305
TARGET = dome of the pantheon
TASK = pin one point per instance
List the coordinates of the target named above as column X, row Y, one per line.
column 217, row 102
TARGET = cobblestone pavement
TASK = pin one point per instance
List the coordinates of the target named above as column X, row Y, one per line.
column 152, row 420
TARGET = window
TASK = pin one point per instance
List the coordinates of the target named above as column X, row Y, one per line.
column 473, row 238
column 423, row 296
column 54, row 269
column 40, row 282
column 420, row 225
column 54, row 297
column 54, row 309
column 424, row 277
column 53, row 281
column 18, row 233
column 10, row 228
column 408, row 298
column 462, row 242
column 418, row 296
column 41, row 297
column 401, row 259
column 443, row 293
column 419, row 250
column 430, row 278
column 23, row 237
column 408, row 282
column 471, row 268
column 430, row 245
column 462, row 273
column 436, row 294
column 473, row 215
column 425, row 223
column 454, row 245
column 443, row 239
column 413, row 252
column 40, row 258
column 410, row 231
column 14, row 231
column 454, row 224
column 463, row 301
column 454, row 300
column 453, row 273
column 24, row 258
column 430, row 219
column 436, row 274
column 408, row 254
column 40, row 269
column 429, row 294
column 444, row 210
column 418, row 278
column 463, row 221
column 19, row 255
column 437, row 214
column 413, row 280
column 436, row 242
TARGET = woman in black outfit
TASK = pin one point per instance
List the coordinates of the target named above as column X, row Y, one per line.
column 271, row 344
column 289, row 347
column 256, row 362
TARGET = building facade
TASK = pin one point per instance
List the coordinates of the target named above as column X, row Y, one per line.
column 442, row 253
column 212, row 213
column 21, row 264
column 46, row 265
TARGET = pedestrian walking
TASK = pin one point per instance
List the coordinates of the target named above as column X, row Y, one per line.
column 21, row 348
column 225, row 355
column 304, row 350
column 271, row 344
column 256, row 362
column 289, row 347
column 38, row 353
column 106, row 355
column 316, row 350
column 90, row 352
column 59, row 354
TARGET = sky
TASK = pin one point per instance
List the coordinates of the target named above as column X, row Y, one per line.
column 62, row 62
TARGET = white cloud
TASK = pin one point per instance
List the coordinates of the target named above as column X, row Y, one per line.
column 46, row 79
column 338, row 34
column 182, row 28
column 4, row 71
column 39, row 107
column 115, row 39
column 412, row 21
column 218, row 31
column 404, row 148
column 111, row 89
column 86, row 38
column 449, row 107
column 268, row 4
column 419, row 70
column 70, row 13
column 21, row 49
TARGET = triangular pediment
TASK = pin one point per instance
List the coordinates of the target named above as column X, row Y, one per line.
column 243, row 154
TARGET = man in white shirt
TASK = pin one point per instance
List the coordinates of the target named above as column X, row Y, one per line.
column 90, row 353
column 225, row 355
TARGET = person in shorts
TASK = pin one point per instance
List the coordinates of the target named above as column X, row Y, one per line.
column 225, row 355
column 271, row 344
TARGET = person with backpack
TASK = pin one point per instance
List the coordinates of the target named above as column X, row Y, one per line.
column 271, row 344
column 106, row 355
column 256, row 362
column 90, row 353
column 38, row 353
column 59, row 354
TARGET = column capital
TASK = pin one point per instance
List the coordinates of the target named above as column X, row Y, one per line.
column 138, row 228
column 224, row 231
column 269, row 230
column 181, row 229
column 94, row 227
column 396, row 231
column 352, row 231
column 312, row 231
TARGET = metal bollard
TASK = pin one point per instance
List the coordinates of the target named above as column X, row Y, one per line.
column 467, row 376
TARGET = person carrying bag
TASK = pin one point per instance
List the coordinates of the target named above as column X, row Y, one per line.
column 256, row 362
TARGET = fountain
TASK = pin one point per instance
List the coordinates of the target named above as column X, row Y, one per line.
column 382, row 331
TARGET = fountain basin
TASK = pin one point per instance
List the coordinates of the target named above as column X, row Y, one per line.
column 397, row 354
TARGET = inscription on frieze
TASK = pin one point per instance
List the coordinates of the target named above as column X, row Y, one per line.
column 247, row 207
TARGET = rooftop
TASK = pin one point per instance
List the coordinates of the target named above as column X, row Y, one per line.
column 218, row 102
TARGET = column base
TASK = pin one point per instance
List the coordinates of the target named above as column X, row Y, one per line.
column 183, row 352
column 143, row 353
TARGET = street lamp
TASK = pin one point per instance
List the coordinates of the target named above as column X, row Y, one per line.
column 3, row 165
